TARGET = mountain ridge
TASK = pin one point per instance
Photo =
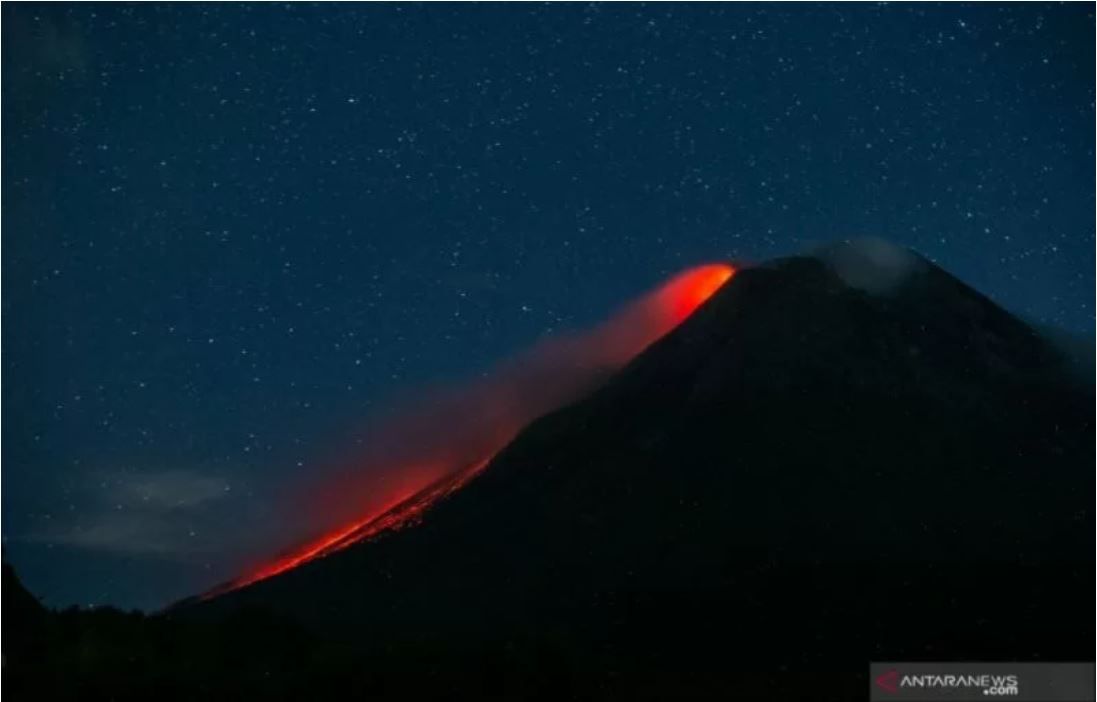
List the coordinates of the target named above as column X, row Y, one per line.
column 1009, row 353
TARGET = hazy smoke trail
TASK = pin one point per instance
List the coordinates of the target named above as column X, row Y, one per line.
column 416, row 458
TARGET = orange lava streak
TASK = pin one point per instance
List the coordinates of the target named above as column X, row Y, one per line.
column 560, row 369
column 404, row 512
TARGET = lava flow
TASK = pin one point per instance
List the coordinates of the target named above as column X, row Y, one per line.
column 426, row 455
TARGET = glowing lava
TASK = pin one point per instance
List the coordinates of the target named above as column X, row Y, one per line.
column 688, row 291
column 439, row 450
column 403, row 512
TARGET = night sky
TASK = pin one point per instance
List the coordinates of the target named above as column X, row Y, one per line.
column 232, row 234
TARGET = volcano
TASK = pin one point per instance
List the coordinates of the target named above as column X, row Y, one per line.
column 838, row 458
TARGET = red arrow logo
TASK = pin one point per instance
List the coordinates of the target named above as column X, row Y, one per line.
column 889, row 682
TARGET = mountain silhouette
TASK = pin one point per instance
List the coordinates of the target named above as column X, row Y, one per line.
column 839, row 458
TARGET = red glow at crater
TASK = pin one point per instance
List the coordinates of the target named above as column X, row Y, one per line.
column 430, row 453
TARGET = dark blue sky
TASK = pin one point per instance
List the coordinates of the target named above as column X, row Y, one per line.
column 232, row 233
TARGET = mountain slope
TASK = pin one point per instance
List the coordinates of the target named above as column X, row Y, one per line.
column 815, row 470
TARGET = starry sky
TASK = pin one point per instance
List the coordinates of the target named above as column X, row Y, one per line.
column 234, row 233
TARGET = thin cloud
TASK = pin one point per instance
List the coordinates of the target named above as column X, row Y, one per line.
column 167, row 514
